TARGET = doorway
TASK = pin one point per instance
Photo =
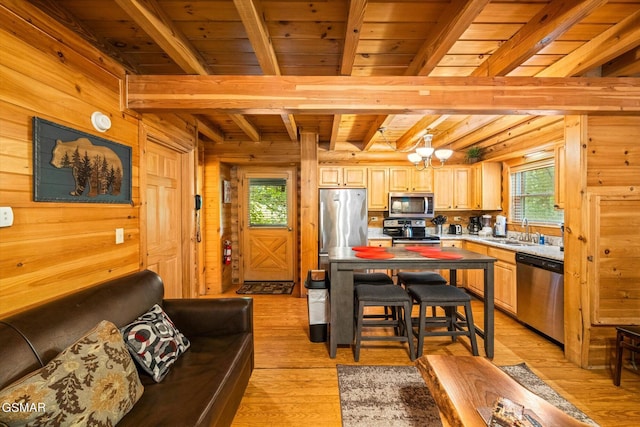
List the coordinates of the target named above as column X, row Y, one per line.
column 267, row 223
column 166, row 182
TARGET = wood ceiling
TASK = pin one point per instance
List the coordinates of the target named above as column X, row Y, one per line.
column 437, row 38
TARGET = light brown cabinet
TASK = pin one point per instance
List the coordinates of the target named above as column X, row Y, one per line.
column 504, row 276
column 559, row 184
column 378, row 188
column 450, row 244
column 505, row 286
column 452, row 187
column 382, row 243
column 475, row 278
column 410, row 179
column 342, row 176
column 487, row 188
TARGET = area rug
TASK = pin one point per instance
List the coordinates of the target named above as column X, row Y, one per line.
column 397, row 396
column 266, row 288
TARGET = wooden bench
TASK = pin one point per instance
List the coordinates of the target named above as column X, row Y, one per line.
column 461, row 384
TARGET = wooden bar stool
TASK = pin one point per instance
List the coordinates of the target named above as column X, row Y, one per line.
column 383, row 296
column 450, row 298
column 421, row 278
column 625, row 332
column 375, row 279
column 410, row 278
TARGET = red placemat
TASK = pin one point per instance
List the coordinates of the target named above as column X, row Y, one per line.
column 374, row 255
column 441, row 255
column 369, row 248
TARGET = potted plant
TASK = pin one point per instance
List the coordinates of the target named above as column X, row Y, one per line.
column 474, row 154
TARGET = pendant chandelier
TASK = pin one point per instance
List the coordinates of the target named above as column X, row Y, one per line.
column 423, row 156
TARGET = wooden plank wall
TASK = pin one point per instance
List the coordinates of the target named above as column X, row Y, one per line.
column 58, row 248
column 613, row 191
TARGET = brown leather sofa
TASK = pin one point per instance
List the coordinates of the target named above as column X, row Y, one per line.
column 205, row 385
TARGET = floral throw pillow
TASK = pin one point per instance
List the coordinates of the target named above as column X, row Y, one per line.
column 92, row 382
column 154, row 342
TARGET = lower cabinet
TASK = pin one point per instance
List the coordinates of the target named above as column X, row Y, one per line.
column 475, row 278
column 380, row 243
column 451, row 244
column 505, row 287
column 504, row 276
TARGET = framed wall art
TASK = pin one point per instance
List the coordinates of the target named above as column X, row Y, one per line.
column 74, row 166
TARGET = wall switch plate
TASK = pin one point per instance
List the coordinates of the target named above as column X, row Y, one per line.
column 119, row 235
column 6, row 217
column 374, row 218
column 457, row 218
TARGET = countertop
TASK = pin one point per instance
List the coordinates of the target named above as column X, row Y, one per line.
column 547, row 251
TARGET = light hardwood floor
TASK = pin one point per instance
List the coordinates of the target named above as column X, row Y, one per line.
column 295, row 382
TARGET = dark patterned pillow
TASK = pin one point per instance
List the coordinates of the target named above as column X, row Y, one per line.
column 154, row 342
column 92, row 382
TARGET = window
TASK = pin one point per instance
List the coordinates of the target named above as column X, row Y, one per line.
column 532, row 193
column 268, row 202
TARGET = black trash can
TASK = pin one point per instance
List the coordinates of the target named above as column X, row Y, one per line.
column 317, row 285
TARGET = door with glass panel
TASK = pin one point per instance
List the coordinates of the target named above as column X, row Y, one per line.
column 267, row 224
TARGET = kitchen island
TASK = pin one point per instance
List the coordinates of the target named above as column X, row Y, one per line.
column 343, row 262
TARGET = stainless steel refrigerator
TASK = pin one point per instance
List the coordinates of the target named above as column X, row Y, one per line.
column 343, row 220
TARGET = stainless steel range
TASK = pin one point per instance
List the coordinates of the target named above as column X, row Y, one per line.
column 407, row 231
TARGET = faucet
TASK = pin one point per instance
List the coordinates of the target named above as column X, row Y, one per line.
column 527, row 231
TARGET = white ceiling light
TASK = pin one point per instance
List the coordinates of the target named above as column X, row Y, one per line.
column 423, row 156
column 100, row 122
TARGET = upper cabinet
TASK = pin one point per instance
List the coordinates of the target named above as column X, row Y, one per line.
column 378, row 189
column 487, row 194
column 452, row 188
column 410, row 179
column 342, row 176
column 476, row 187
column 559, row 184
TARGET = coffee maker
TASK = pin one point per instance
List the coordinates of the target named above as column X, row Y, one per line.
column 500, row 227
column 474, row 225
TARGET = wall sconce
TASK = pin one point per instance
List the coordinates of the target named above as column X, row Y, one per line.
column 100, row 122
column 424, row 155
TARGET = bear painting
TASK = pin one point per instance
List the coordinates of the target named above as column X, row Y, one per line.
column 96, row 169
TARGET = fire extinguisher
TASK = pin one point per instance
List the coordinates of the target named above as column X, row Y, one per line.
column 226, row 253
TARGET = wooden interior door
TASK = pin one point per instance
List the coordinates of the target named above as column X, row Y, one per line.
column 164, row 218
column 268, row 251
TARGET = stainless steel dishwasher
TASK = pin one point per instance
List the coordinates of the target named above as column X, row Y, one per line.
column 540, row 284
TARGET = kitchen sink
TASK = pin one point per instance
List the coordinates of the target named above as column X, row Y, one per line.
column 510, row 242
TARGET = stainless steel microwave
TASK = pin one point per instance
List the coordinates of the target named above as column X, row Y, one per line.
column 411, row 205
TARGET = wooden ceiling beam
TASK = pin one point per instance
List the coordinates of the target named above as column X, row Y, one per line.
column 545, row 27
column 626, row 65
column 606, row 46
column 355, row 20
column 246, row 126
column 153, row 20
column 541, row 129
column 503, row 124
column 335, row 128
column 383, row 95
column 210, row 131
column 454, row 21
column 409, row 138
column 252, row 18
column 352, row 35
